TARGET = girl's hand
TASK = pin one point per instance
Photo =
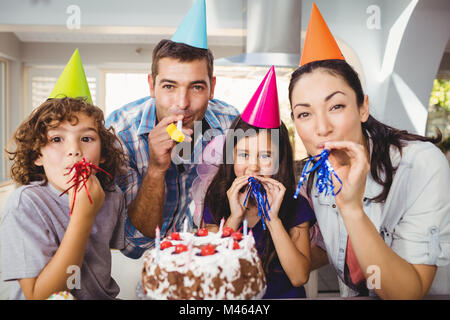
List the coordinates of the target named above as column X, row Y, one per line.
column 275, row 194
column 236, row 198
column 351, row 164
column 82, row 203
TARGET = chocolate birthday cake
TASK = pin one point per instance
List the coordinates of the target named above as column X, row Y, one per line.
column 223, row 265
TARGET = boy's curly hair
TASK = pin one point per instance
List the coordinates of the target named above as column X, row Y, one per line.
column 31, row 136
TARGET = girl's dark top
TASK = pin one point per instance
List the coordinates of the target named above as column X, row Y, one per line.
column 278, row 284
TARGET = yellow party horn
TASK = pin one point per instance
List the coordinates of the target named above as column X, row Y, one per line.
column 175, row 131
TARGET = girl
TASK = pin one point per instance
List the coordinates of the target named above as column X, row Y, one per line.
column 390, row 222
column 284, row 247
column 44, row 249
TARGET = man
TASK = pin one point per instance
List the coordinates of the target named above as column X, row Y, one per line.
column 157, row 190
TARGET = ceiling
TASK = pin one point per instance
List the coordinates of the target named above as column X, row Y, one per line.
column 144, row 35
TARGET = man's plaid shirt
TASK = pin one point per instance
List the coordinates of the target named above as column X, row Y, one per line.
column 132, row 124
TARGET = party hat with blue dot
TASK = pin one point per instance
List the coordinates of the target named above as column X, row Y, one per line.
column 192, row 30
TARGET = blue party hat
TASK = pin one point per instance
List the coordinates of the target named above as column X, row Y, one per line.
column 192, row 30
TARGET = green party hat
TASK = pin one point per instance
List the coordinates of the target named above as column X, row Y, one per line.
column 72, row 81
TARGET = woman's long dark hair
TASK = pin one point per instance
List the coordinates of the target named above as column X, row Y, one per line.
column 383, row 136
column 216, row 196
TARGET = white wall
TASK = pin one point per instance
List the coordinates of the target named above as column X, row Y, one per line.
column 99, row 12
column 419, row 55
column 118, row 12
column 102, row 55
column 10, row 49
column 148, row 20
column 9, row 46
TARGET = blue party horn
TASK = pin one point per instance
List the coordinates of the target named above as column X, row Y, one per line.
column 325, row 173
column 256, row 190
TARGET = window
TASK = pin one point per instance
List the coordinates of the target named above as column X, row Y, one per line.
column 439, row 108
column 41, row 81
column 122, row 88
column 439, row 112
column 42, row 86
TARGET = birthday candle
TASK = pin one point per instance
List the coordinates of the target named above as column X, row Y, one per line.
column 157, row 243
column 190, row 247
column 222, row 222
column 250, row 235
column 185, row 225
column 245, row 226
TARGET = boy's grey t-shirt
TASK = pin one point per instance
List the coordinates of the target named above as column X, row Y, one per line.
column 35, row 219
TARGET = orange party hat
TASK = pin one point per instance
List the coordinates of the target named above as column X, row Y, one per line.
column 319, row 43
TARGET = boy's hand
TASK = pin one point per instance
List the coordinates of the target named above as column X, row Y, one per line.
column 82, row 205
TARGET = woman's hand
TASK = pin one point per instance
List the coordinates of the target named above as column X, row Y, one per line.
column 275, row 194
column 350, row 161
column 236, row 198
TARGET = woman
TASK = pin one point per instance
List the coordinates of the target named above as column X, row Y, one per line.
column 388, row 229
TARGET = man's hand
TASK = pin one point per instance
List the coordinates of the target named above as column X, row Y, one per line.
column 146, row 211
column 160, row 144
